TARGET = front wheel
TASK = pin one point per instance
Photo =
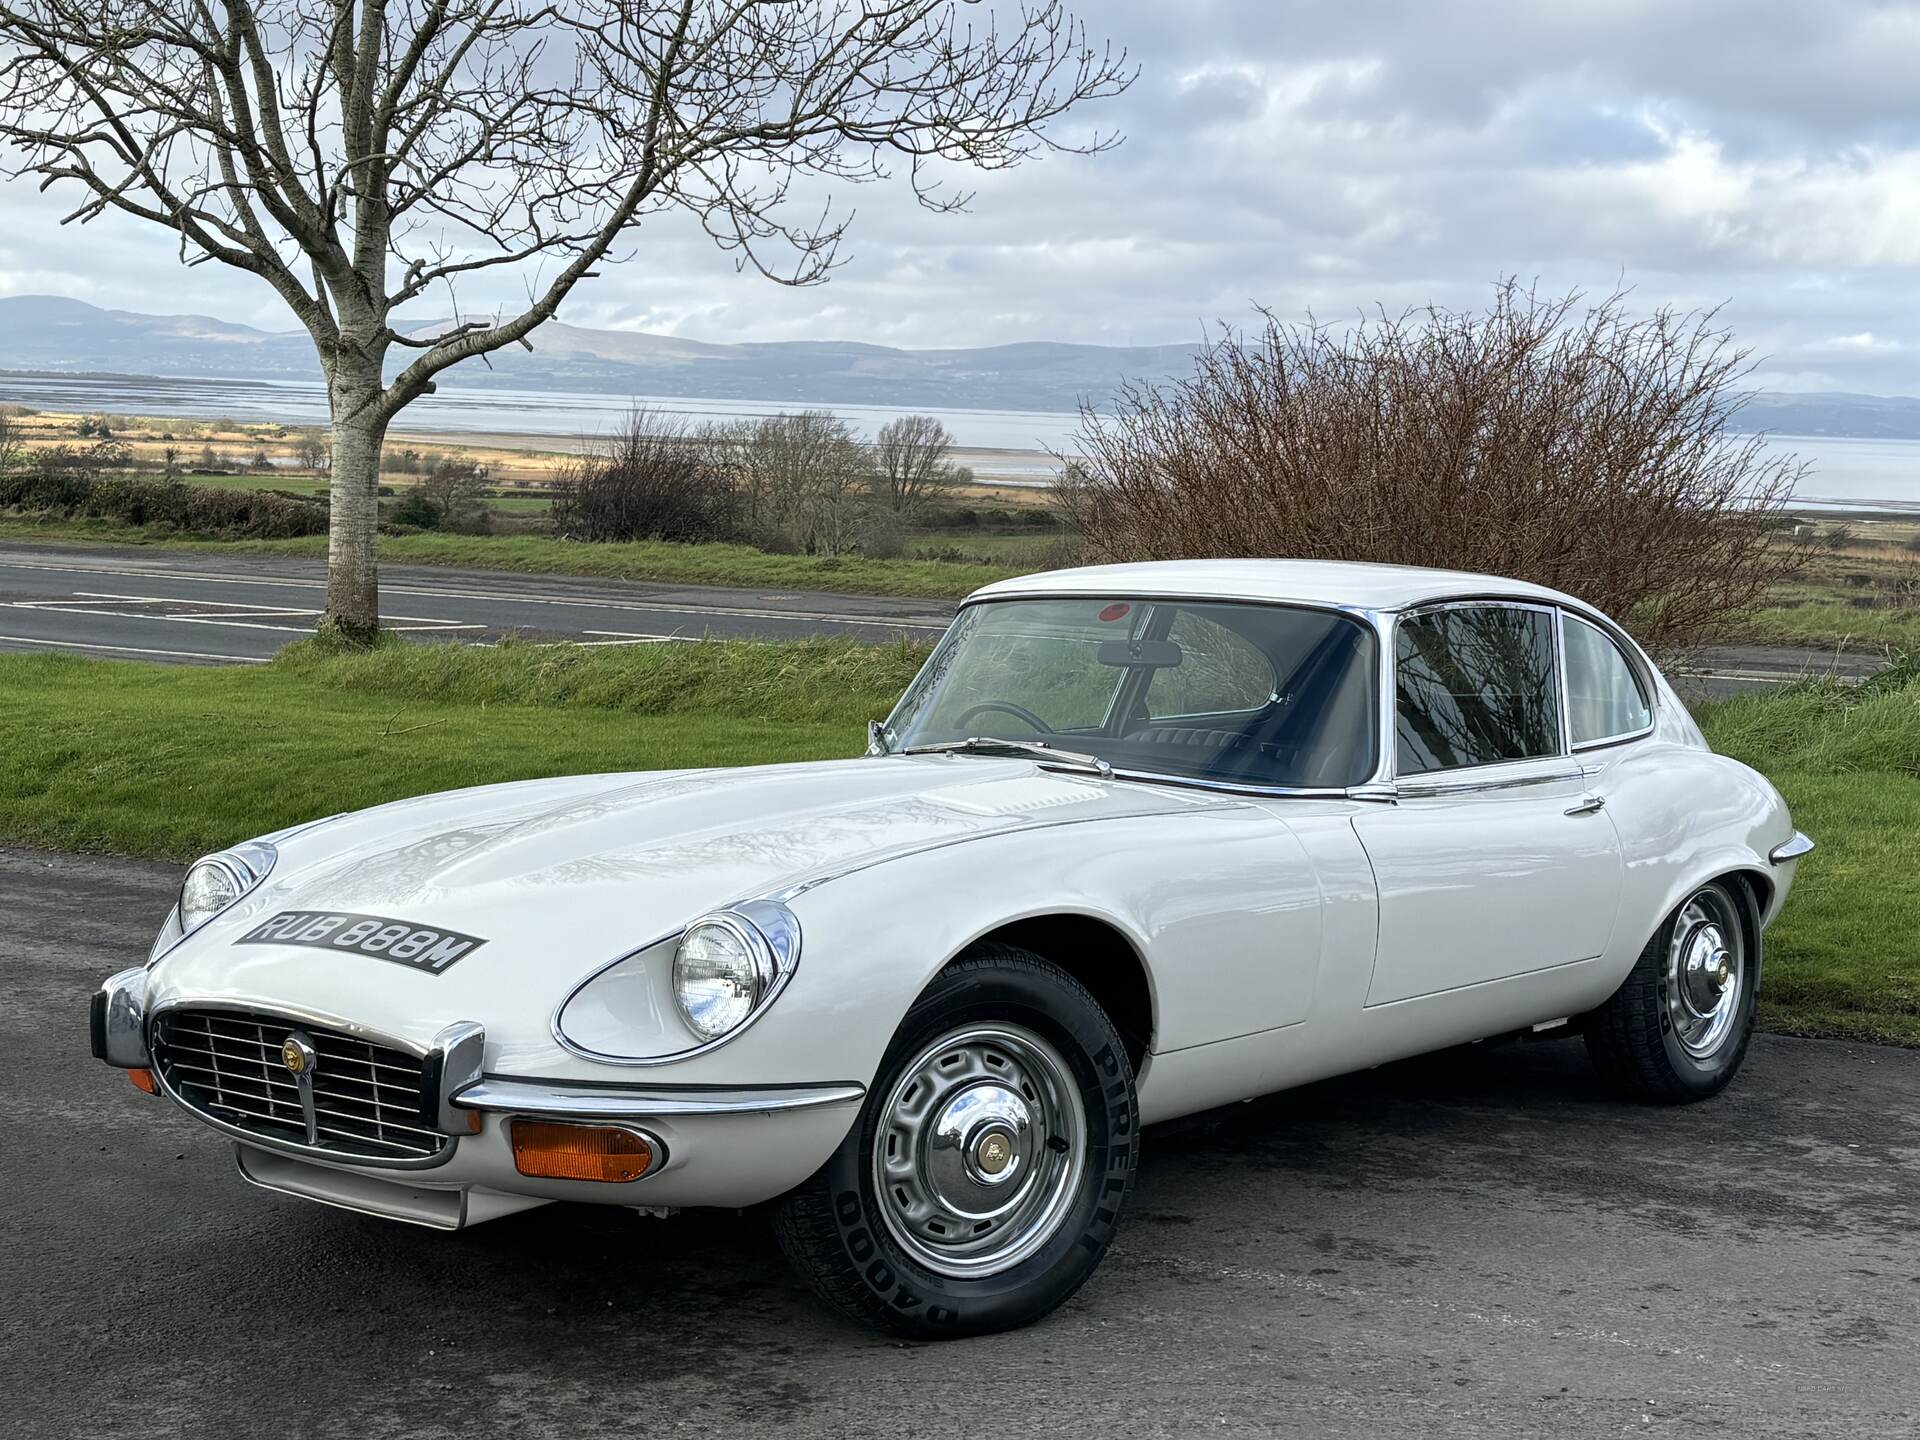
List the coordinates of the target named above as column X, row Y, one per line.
column 1677, row 1028
column 984, row 1178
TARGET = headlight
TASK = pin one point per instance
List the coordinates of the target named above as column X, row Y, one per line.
column 684, row 993
column 215, row 883
column 721, row 973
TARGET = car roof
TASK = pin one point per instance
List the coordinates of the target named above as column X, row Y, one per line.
column 1344, row 583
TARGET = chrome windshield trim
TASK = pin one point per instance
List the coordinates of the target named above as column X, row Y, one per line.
column 501, row 1095
column 1792, row 849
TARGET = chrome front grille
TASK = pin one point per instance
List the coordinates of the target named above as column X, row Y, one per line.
column 357, row 1100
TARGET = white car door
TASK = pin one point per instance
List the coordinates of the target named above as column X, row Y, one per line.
column 1496, row 859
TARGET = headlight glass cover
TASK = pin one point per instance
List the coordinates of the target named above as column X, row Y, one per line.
column 217, row 882
column 722, row 970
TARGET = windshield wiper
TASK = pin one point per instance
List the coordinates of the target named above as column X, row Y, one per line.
column 993, row 745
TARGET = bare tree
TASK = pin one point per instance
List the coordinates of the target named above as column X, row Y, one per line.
column 801, row 479
column 311, row 449
column 358, row 154
column 910, row 465
column 457, row 488
column 1578, row 448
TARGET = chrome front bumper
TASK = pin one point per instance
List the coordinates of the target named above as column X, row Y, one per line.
column 724, row 1146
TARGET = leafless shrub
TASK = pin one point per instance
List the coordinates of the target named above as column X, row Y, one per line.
column 651, row 479
column 13, row 444
column 1578, row 448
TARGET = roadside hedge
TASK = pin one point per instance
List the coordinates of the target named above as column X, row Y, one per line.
column 223, row 514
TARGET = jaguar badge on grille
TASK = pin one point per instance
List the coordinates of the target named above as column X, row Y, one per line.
column 297, row 1054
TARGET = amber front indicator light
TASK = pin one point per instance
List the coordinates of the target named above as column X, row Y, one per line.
column 143, row 1080
column 581, row 1152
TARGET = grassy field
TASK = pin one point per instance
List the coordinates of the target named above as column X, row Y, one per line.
column 158, row 761
column 1845, row 956
column 172, row 762
column 646, row 560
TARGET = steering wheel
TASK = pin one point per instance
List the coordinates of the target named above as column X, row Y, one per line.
column 1019, row 712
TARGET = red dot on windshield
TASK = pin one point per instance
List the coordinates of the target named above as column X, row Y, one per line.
column 1115, row 611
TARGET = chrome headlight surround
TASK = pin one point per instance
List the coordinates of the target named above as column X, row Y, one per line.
column 766, row 928
column 232, row 874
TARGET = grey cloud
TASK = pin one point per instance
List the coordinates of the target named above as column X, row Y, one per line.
column 1332, row 156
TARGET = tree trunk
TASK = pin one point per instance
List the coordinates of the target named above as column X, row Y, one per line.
column 353, row 524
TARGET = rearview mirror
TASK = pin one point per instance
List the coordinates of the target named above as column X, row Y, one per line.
column 1146, row 654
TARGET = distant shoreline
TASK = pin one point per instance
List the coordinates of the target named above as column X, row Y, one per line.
column 1859, row 476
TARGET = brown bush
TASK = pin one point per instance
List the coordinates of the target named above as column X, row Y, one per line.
column 1577, row 448
column 652, row 479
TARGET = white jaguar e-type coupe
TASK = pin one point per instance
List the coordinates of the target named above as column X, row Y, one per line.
column 1139, row 841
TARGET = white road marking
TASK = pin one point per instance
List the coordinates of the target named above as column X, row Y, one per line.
column 176, row 600
column 47, row 607
column 131, row 650
column 886, row 622
column 248, row 617
column 628, row 637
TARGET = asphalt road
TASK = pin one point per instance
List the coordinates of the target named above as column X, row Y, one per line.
column 190, row 607
column 1482, row 1243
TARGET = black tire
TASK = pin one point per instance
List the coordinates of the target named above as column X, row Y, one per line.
column 1639, row 1040
column 834, row 1230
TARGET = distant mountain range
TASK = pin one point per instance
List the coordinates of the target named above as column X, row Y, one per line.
column 48, row 333
column 69, row 337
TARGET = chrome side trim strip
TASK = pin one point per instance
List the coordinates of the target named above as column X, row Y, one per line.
column 1790, row 849
column 1427, row 789
column 558, row 1098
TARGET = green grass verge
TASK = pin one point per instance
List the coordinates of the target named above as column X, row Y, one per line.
column 1827, row 626
column 172, row 762
column 1844, row 957
column 658, row 561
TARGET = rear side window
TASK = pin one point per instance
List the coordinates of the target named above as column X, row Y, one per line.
column 1474, row 685
column 1604, row 696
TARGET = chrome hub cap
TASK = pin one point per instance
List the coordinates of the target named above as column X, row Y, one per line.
column 980, row 1150
column 1706, row 980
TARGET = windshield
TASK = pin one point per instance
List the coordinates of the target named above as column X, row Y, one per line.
column 1234, row 693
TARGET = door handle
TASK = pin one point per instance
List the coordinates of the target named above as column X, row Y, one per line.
column 1589, row 805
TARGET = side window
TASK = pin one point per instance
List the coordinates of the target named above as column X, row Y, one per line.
column 1604, row 698
column 1222, row 672
column 1474, row 685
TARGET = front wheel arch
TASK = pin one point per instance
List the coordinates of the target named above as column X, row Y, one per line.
column 1094, row 952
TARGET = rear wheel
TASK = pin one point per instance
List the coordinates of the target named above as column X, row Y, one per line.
column 984, row 1178
column 1677, row 1028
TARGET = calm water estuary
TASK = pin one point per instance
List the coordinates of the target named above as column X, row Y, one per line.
column 1846, row 473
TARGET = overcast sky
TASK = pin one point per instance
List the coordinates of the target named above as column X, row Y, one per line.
column 1333, row 155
